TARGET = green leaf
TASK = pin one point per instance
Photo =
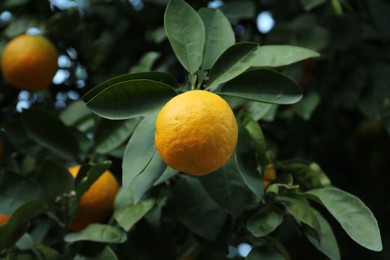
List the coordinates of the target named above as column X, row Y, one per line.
column 98, row 233
column 306, row 106
column 13, row 229
column 186, row 34
column 302, row 212
column 310, row 4
column 106, row 253
column 45, row 128
column 146, row 179
column 234, row 61
column 227, row 188
column 166, row 175
column 16, row 190
column 266, row 220
column 130, row 99
column 307, row 175
column 155, row 76
column 269, row 252
column 54, row 180
column 257, row 137
column 219, row 35
column 263, row 85
column 238, row 9
column 111, row 134
column 258, row 110
column 353, row 215
column 145, row 64
column 139, row 150
column 281, row 55
column 128, row 216
column 77, row 115
column 327, row 242
column 196, row 210
column 245, row 158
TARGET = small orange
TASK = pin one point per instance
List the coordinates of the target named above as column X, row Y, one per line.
column 196, row 132
column 269, row 175
column 96, row 204
column 4, row 218
column 29, row 62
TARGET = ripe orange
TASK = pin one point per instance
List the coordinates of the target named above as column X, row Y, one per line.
column 269, row 175
column 4, row 218
column 29, row 62
column 96, row 204
column 196, row 132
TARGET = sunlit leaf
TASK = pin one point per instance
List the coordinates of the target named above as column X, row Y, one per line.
column 263, row 85
column 186, row 34
column 353, row 215
column 219, row 35
column 131, row 98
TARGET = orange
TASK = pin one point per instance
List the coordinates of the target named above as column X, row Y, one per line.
column 4, row 218
column 269, row 175
column 29, row 62
column 97, row 203
column 196, row 132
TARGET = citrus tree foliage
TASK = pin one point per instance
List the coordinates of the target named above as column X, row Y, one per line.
column 124, row 64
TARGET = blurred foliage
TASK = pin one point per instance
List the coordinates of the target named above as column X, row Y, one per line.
column 342, row 124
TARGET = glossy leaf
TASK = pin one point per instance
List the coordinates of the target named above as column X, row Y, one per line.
column 227, row 188
column 111, row 134
column 12, row 230
column 98, row 233
column 353, row 215
column 166, row 175
column 263, row 85
column 196, row 210
column 234, row 61
column 265, row 221
column 281, row 55
column 44, row 128
column 186, row 34
column 155, row 76
column 310, row 4
column 139, row 150
column 219, row 35
column 258, row 110
column 130, row 99
column 77, row 115
column 327, row 242
column 245, row 158
column 128, row 216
